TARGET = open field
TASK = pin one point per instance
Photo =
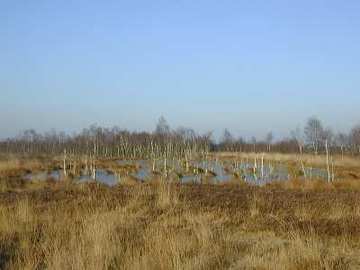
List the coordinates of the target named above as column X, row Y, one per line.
column 162, row 224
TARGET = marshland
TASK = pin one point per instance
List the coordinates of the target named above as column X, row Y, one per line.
column 183, row 135
column 110, row 199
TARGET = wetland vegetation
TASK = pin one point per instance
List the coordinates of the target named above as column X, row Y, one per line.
column 239, row 178
column 112, row 199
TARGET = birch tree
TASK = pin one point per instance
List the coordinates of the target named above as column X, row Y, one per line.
column 313, row 133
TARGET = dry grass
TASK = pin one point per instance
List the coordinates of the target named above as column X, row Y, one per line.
column 13, row 166
column 308, row 159
column 294, row 224
column 316, row 185
column 345, row 167
column 168, row 226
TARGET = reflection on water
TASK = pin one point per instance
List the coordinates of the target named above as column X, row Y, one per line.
column 220, row 171
column 316, row 173
column 55, row 175
column 190, row 179
column 101, row 176
column 142, row 169
column 211, row 171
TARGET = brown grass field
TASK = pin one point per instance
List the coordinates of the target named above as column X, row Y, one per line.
column 289, row 225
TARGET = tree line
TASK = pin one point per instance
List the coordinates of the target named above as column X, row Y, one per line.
column 181, row 142
column 113, row 142
column 313, row 138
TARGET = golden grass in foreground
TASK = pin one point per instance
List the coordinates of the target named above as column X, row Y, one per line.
column 15, row 166
column 166, row 226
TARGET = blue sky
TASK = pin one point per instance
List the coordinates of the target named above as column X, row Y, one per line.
column 250, row 66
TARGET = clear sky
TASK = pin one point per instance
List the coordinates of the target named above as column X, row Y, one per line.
column 250, row 66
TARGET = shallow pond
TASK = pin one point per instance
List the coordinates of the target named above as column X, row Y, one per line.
column 211, row 171
column 101, row 176
column 55, row 175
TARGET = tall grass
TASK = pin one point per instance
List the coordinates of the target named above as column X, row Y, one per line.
column 14, row 166
column 160, row 226
column 296, row 224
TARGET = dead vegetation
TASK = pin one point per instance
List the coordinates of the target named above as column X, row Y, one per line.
column 170, row 226
column 162, row 224
column 309, row 159
column 346, row 167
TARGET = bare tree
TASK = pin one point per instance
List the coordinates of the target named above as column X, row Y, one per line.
column 355, row 138
column 269, row 139
column 227, row 136
column 327, row 135
column 162, row 127
column 297, row 136
column 342, row 140
column 186, row 133
column 227, row 140
column 313, row 133
column 253, row 142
